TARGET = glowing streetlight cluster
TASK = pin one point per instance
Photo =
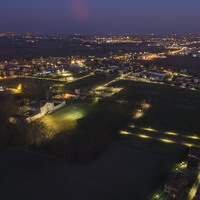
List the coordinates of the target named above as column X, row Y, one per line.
column 144, row 136
column 138, row 114
column 149, row 129
column 141, row 112
column 125, row 133
column 167, row 140
column 166, row 133
column 164, row 140
column 171, row 133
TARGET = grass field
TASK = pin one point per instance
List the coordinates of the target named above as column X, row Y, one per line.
column 120, row 173
column 157, row 138
column 88, row 115
column 172, row 117
column 83, row 130
column 88, row 83
column 179, row 62
column 172, row 109
column 65, row 119
column 163, row 123
column 167, row 126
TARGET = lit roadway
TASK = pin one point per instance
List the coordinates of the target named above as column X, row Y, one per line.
column 162, row 136
column 121, row 77
column 48, row 79
column 194, row 188
column 154, row 82
column 166, row 137
column 175, row 52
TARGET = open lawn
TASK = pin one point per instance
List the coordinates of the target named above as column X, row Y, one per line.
column 166, row 120
column 120, row 173
column 179, row 62
column 65, row 119
column 82, row 131
column 153, row 151
column 172, row 109
column 158, row 123
column 85, row 117
column 170, row 124
column 155, row 137
column 88, row 83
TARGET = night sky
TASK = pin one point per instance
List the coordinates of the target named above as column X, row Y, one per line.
column 100, row 16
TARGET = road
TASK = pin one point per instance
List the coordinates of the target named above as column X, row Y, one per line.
column 194, row 188
column 155, row 82
column 50, row 79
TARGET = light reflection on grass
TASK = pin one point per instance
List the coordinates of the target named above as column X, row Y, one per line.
column 64, row 119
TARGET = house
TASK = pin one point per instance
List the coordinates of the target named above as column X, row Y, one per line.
column 37, row 110
column 175, row 186
column 41, row 108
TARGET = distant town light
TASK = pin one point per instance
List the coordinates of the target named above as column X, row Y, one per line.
column 132, row 126
column 19, row 87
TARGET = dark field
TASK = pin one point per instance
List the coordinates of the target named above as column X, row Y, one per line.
column 88, row 83
column 172, row 109
column 136, row 166
column 120, row 173
column 11, row 49
column 180, row 62
column 171, row 122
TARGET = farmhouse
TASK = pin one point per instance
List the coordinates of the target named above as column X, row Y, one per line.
column 37, row 110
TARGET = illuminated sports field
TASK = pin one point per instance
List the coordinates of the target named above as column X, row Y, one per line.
column 65, row 119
